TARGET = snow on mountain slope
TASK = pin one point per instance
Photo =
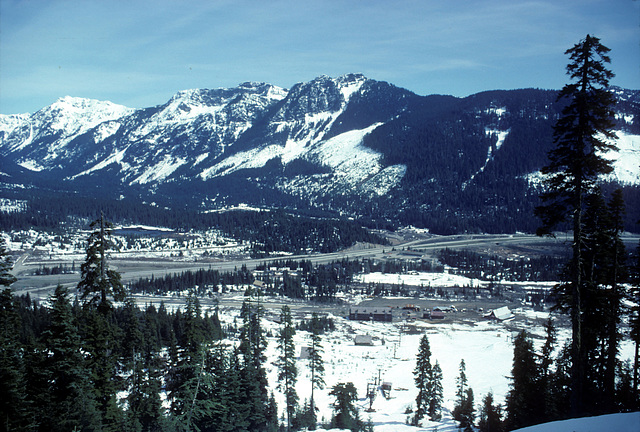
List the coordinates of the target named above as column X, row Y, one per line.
column 8, row 123
column 40, row 137
column 330, row 143
column 301, row 122
column 500, row 137
column 193, row 126
column 626, row 160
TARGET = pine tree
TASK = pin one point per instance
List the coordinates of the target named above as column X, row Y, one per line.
column 190, row 377
column 99, row 285
column 582, row 135
column 523, row 399
column 546, row 361
column 490, row 416
column 254, row 379
column 461, row 391
column 71, row 405
column 468, row 411
column 435, row 404
column 428, row 383
column 142, row 359
column 463, row 410
column 616, row 273
column 316, row 364
column 100, row 340
column 560, row 385
column 288, row 375
column 15, row 408
column 14, row 411
column 345, row 412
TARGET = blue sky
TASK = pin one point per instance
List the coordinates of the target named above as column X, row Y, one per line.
column 139, row 53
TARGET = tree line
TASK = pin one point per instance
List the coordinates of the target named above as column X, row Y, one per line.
column 491, row 267
column 265, row 231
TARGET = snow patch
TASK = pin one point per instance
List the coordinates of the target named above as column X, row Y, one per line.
column 160, row 170
column 31, row 165
column 501, row 136
column 115, row 157
column 623, row 422
column 626, row 160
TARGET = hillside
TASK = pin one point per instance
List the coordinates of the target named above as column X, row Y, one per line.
column 346, row 146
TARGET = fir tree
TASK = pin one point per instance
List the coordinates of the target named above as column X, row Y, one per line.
column 490, row 416
column 523, row 399
column 546, row 360
column 316, row 364
column 99, row 285
column 100, row 340
column 190, row 376
column 345, row 412
column 254, row 380
column 6, row 278
column 461, row 391
column 463, row 410
column 582, row 135
column 71, row 405
column 15, row 408
column 288, row 374
column 616, row 273
column 435, row 404
column 428, row 383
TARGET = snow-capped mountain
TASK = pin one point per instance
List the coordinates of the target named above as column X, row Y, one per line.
column 347, row 144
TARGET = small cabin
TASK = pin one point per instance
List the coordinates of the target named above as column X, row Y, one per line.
column 500, row 314
column 363, row 340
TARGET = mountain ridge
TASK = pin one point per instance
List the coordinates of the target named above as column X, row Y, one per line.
column 349, row 145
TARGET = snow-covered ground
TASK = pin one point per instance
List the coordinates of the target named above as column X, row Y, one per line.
column 129, row 242
column 625, row 422
column 486, row 348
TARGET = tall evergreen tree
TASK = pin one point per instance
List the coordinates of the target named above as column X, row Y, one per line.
column 345, row 411
column 99, row 285
column 254, row 378
column 71, row 405
column 435, row 404
column 190, row 376
column 427, row 382
column 616, row 274
column 316, row 364
column 546, row 361
column 582, row 134
column 523, row 399
column 6, row 278
column 15, row 410
column 490, row 416
column 100, row 340
column 463, row 410
column 461, row 391
column 288, row 375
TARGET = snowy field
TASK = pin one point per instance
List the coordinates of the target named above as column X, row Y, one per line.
column 485, row 346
